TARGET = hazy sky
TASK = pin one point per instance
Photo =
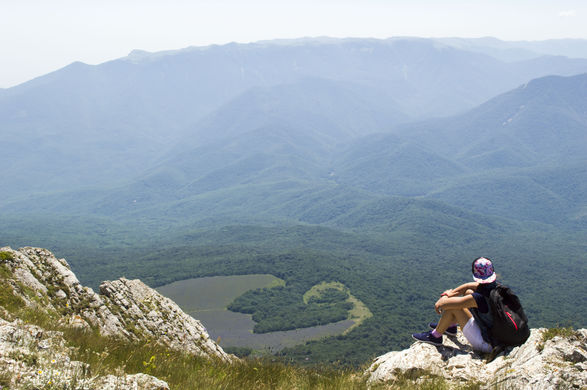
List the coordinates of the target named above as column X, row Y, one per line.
column 39, row 36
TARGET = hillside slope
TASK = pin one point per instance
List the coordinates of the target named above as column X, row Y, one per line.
column 38, row 287
column 85, row 125
column 524, row 149
column 126, row 309
column 56, row 333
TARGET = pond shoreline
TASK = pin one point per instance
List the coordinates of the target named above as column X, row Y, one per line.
column 206, row 299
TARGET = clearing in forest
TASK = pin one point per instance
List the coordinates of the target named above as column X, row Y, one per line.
column 325, row 290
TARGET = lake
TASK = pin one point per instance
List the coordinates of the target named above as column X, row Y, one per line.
column 206, row 299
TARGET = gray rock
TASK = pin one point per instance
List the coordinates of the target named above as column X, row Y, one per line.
column 158, row 317
column 535, row 365
column 131, row 382
column 36, row 359
column 128, row 309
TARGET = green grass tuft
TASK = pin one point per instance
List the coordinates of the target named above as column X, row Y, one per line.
column 564, row 332
column 182, row 371
column 4, row 255
column 8, row 299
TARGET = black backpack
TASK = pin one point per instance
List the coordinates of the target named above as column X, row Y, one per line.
column 510, row 324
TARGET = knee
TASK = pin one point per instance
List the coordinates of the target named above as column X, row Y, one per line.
column 450, row 313
column 453, row 313
column 469, row 292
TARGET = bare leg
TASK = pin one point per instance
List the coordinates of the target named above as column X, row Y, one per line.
column 456, row 316
column 449, row 317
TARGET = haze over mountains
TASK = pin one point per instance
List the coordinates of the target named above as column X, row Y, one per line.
column 359, row 161
column 86, row 126
column 520, row 154
column 242, row 130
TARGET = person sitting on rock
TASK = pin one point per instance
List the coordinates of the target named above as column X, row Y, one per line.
column 467, row 306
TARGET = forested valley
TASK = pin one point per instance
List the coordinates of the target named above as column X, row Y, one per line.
column 388, row 184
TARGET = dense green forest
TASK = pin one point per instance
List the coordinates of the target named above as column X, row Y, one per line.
column 313, row 177
column 281, row 308
column 397, row 275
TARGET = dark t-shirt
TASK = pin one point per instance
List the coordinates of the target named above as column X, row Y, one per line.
column 481, row 303
column 481, row 296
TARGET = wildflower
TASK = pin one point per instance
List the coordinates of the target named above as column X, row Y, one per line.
column 52, row 361
column 40, row 372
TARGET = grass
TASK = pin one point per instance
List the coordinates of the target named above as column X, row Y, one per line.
column 4, row 255
column 564, row 332
column 359, row 313
column 107, row 355
column 11, row 301
column 184, row 371
column 4, row 380
column 550, row 333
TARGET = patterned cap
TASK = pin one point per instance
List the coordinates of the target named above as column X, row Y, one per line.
column 483, row 270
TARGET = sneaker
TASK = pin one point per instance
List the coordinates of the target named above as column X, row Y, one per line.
column 450, row 331
column 426, row 337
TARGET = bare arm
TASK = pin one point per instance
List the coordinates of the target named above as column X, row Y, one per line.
column 461, row 290
column 446, row 303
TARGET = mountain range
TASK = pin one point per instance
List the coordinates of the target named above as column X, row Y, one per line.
column 277, row 153
column 90, row 126
column 359, row 161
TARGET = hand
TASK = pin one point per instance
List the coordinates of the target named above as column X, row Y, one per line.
column 438, row 305
column 449, row 293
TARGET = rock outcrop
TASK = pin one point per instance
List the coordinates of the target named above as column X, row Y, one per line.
column 34, row 358
column 558, row 363
column 125, row 309
column 154, row 316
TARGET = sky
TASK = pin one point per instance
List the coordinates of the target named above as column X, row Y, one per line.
column 40, row 36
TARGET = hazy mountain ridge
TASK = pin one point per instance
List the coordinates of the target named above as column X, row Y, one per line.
column 520, row 50
column 98, row 125
column 266, row 159
column 250, row 186
column 327, row 110
column 498, row 151
column 545, row 118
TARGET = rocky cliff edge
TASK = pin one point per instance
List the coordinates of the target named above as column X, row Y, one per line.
column 125, row 309
column 542, row 362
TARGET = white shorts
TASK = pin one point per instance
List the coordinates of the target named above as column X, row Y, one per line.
column 473, row 334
